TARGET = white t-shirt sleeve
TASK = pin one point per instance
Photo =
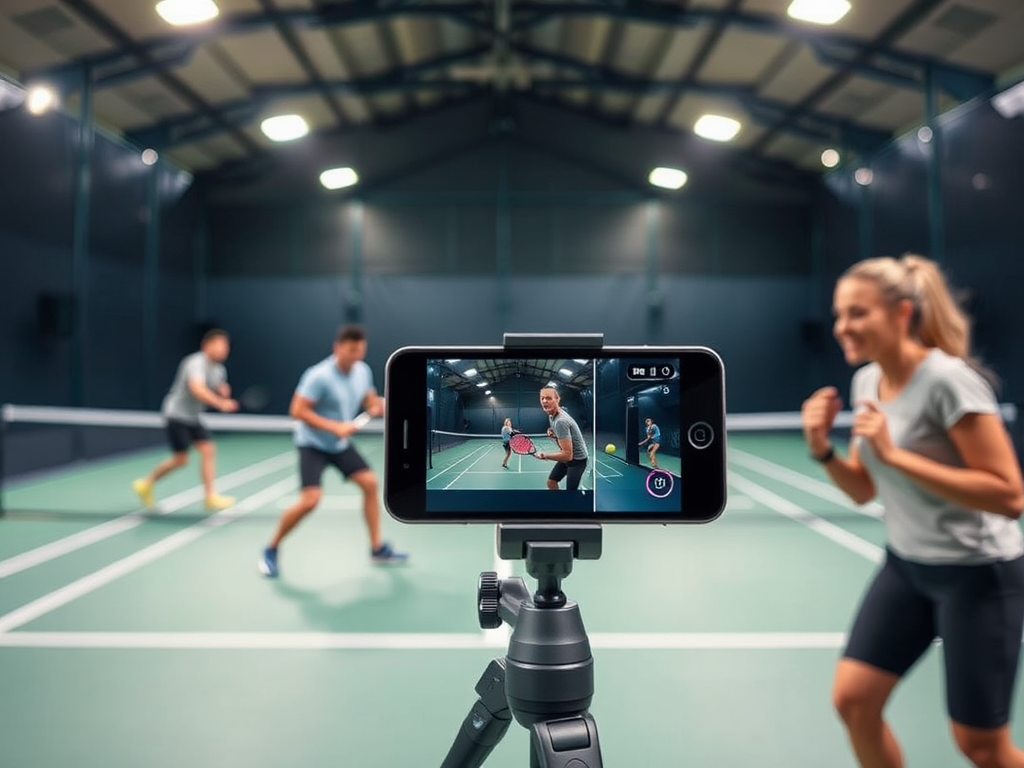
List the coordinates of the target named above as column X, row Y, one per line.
column 195, row 368
column 960, row 391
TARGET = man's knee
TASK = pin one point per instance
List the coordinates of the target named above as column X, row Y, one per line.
column 309, row 498
column 984, row 748
column 179, row 458
column 367, row 480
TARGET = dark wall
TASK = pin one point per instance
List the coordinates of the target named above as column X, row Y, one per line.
column 120, row 301
column 980, row 184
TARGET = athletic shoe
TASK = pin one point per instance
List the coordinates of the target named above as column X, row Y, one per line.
column 144, row 488
column 386, row 555
column 215, row 502
column 268, row 563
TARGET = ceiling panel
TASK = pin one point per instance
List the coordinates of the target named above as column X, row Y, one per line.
column 741, row 57
column 637, row 55
column 318, row 45
column 798, row 77
column 117, row 110
column 209, row 79
column 585, row 38
column 264, row 57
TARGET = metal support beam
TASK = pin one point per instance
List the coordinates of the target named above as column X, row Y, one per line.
column 80, row 239
column 936, row 215
column 151, row 284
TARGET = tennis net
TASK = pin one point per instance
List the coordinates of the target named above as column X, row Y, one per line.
column 84, row 460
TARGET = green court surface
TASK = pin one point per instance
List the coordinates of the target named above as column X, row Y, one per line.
column 134, row 640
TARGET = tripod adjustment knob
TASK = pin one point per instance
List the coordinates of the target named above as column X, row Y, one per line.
column 487, row 595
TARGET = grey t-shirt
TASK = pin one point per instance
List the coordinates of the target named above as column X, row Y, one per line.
column 920, row 525
column 564, row 425
column 179, row 403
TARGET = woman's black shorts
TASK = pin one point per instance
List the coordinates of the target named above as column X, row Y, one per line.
column 977, row 611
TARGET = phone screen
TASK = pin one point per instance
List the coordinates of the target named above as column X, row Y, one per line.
column 611, row 436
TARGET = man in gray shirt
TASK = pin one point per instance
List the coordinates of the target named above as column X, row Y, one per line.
column 572, row 455
column 201, row 381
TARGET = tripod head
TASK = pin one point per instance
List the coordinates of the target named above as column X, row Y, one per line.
column 546, row 680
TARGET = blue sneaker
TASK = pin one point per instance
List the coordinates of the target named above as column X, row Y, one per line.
column 386, row 555
column 268, row 563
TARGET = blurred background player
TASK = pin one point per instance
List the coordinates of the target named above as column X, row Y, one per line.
column 201, row 381
column 506, row 434
column 572, row 455
column 329, row 396
column 653, row 440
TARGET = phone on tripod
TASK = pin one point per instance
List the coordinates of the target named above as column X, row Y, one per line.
column 623, row 434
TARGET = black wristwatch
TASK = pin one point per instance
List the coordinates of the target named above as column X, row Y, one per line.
column 826, row 457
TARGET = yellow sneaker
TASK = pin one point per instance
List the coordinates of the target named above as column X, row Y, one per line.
column 144, row 488
column 215, row 502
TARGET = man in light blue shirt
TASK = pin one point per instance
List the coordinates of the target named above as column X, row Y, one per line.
column 653, row 440
column 328, row 398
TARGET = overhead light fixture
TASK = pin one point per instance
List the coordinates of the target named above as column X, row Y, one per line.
column 181, row 13
column 581, row 362
column 667, row 178
column 470, row 372
column 818, row 11
column 149, row 157
column 830, row 158
column 1010, row 102
column 482, row 384
column 487, row 392
column 925, row 134
column 864, row 176
column 565, row 371
column 337, row 178
column 284, row 127
column 717, row 127
column 40, row 99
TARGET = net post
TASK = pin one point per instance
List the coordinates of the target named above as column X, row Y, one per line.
column 4, row 408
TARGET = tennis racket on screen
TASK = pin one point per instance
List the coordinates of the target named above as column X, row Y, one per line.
column 522, row 445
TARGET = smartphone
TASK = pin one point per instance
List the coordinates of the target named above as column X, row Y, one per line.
column 608, row 435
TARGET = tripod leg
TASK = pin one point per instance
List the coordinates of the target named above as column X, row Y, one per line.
column 486, row 723
column 566, row 743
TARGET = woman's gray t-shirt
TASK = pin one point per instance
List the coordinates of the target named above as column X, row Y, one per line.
column 920, row 525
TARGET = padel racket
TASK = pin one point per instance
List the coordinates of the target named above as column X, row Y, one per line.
column 362, row 420
column 522, row 444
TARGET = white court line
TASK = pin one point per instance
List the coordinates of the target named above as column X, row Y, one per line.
column 469, row 467
column 711, row 641
column 457, row 462
column 802, row 482
column 83, row 586
column 97, row 533
column 840, row 536
column 505, row 472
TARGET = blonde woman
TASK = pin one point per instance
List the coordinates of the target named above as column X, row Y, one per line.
column 927, row 439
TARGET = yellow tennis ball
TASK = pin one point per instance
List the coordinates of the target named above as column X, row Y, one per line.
column 610, row 448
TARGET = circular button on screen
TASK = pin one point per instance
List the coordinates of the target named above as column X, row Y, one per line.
column 700, row 434
column 659, row 483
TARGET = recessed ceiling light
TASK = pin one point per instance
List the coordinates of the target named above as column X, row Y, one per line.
column 830, row 158
column 925, row 134
column 149, row 157
column 183, row 12
column 819, row 11
column 667, row 178
column 469, row 372
column 40, row 99
column 717, row 128
column 863, row 176
column 284, row 127
column 336, row 178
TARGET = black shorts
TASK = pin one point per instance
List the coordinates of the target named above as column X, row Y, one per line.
column 181, row 434
column 571, row 470
column 313, row 461
column 977, row 610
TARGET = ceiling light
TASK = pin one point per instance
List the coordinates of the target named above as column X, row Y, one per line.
column 183, row 12
column 818, row 11
column 717, row 128
column 470, row 372
column 487, row 392
column 149, row 157
column 830, row 158
column 667, row 178
column 40, row 99
column 1010, row 102
column 924, row 134
column 863, row 176
column 336, row 178
column 581, row 362
column 284, row 127
column 565, row 371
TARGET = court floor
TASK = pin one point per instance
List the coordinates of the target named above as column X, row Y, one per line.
column 147, row 640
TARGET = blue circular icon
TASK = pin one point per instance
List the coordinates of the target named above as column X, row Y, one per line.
column 659, row 483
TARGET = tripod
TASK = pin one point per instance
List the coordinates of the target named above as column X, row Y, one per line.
column 546, row 680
